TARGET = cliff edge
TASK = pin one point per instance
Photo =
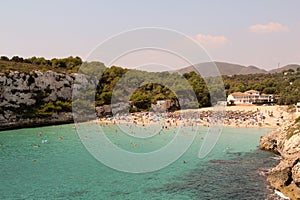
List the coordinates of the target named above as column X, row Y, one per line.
column 285, row 141
column 36, row 98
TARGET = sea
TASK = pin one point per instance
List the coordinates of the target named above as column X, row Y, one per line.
column 52, row 162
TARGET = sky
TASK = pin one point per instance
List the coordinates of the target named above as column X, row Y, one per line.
column 262, row 33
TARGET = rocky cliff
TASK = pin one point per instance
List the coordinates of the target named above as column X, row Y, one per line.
column 285, row 142
column 44, row 98
column 35, row 98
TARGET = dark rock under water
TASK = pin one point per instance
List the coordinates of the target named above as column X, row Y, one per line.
column 239, row 178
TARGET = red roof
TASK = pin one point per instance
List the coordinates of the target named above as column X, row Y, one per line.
column 239, row 94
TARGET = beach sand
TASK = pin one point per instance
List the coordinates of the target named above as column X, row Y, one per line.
column 249, row 116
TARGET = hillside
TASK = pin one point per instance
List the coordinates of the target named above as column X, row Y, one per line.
column 224, row 68
column 39, row 91
column 60, row 65
column 287, row 67
column 235, row 69
column 72, row 65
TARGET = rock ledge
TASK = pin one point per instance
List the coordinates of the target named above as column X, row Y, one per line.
column 285, row 142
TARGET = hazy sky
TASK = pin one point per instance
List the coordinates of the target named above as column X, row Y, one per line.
column 261, row 33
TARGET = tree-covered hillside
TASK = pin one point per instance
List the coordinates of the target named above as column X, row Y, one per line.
column 144, row 88
column 16, row 63
column 286, row 84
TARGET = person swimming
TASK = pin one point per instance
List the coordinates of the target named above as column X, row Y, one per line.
column 44, row 141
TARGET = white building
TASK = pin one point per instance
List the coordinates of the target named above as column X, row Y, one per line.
column 250, row 97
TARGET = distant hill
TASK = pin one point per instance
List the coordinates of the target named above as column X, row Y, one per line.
column 287, row 67
column 224, row 68
column 233, row 69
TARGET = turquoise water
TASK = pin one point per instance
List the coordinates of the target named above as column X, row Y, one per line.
column 63, row 169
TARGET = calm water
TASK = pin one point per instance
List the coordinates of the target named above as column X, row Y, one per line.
column 63, row 168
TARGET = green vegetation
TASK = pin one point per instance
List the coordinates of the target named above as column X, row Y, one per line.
column 16, row 63
column 285, row 84
column 50, row 108
column 144, row 88
column 293, row 129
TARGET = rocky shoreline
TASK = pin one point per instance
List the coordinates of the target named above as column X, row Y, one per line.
column 285, row 141
column 62, row 118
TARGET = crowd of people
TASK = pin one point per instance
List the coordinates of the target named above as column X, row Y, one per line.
column 252, row 116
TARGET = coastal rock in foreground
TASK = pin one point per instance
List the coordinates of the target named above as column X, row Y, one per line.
column 296, row 173
column 285, row 141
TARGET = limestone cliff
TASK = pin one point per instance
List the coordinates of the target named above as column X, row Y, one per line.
column 35, row 98
column 43, row 98
column 285, row 141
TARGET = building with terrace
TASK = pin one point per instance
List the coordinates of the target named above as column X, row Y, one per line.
column 251, row 97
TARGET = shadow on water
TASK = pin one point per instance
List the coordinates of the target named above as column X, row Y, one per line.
column 240, row 178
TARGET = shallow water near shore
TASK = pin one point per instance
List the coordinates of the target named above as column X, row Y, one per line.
column 63, row 169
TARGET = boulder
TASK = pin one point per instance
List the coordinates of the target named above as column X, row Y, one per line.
column 280, row 175
column 292, row 146
column 285, row 141
column 296, row 173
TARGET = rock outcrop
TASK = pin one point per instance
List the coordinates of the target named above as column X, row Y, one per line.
column 164, row 105
column 24, row 95
column 285, row 141
column 43, row 98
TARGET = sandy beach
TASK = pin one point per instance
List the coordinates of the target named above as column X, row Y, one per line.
column 249, row 116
